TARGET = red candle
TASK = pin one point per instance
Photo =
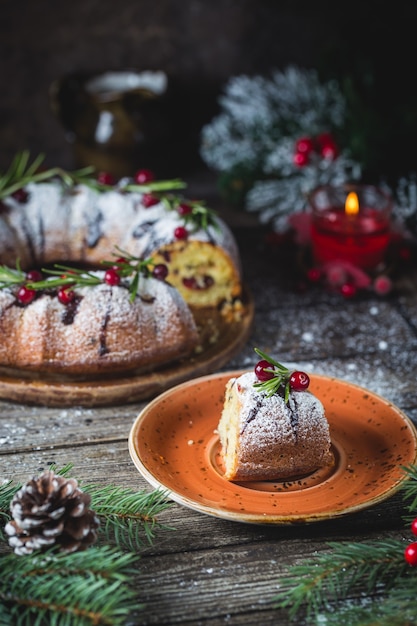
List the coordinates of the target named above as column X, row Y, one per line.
column 350, row 223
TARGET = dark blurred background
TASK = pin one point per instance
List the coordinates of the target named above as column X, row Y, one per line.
column 200, row 44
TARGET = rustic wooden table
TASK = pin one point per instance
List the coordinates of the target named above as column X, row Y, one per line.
column 210, row 571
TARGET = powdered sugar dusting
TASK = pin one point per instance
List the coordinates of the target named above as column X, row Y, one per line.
column 84, row 224
column 269, row 438
column 106, row 330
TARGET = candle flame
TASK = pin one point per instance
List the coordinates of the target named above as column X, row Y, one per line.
column 352, row 204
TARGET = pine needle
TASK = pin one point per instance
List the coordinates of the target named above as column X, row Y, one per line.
column 76, row 589
column 333, row 576
column 129, row 518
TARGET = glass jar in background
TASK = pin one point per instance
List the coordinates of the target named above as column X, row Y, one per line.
column 118, row 121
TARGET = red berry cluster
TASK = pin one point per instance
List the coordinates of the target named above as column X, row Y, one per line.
column 183, row 209
column 149, row 199
column 349, row 283
column 324, row 145
column 298, row 381
column 410, row 553
column 112, row 276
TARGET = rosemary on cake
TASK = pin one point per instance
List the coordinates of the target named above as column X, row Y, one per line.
column 273, row 377
column 22, row 172
column 65, row 279
column 195, row 214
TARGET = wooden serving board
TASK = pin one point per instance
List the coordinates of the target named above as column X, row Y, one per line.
column 27, row 388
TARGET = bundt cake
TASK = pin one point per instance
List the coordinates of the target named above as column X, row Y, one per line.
column 53, row 222
column 271, row 436
column 52, row 217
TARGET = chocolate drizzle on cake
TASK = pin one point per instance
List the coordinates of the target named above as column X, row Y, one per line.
column 252, row 414
column 28, row 237
column 292, row 408
column 94, row 230
column 70, row 311
column 103, row 349
column 142, row 229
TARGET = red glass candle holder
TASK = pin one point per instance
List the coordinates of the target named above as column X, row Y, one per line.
column 350, row 223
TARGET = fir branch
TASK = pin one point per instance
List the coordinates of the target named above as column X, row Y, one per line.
column 78, row 589
column 333, row 575
column 409, row 491
column 252, row 141
column 380, row 611
column 7, row 491
column 126, row 516
column 357, row 584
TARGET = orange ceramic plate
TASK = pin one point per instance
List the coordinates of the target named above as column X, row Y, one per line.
column 174, row 445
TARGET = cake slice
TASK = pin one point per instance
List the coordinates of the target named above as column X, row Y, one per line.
column 272, row 435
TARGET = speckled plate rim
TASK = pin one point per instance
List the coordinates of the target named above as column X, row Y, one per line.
column 342, row 474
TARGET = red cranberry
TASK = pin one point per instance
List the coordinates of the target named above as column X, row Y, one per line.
column 314, row 274
column 21, row 195
column 26, row 295
column 348, row 290
column 300, row 159
column 190, row 283
column 105, row 178
column 65, row 294
column 327, row 146
column 414, row 526
column 184, row 209
column 111, row 277
column 180, row 232
column 203, row 282
column 143, row 176
column 120, row 261
column 160, row 271
column 299, row 381
column 410, row 554
column 34, row 276
column 260, row 372
column 148, row 200
column 330, row 152
column 382, row 285
column 304, row 145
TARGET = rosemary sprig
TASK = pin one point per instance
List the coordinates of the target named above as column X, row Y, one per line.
column 132, row 267
column 129, row 267
column 10, row 276
column 199, row 218
column 280, row 380
column 21, row 172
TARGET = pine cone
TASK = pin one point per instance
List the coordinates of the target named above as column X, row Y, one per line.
column 51, row 510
